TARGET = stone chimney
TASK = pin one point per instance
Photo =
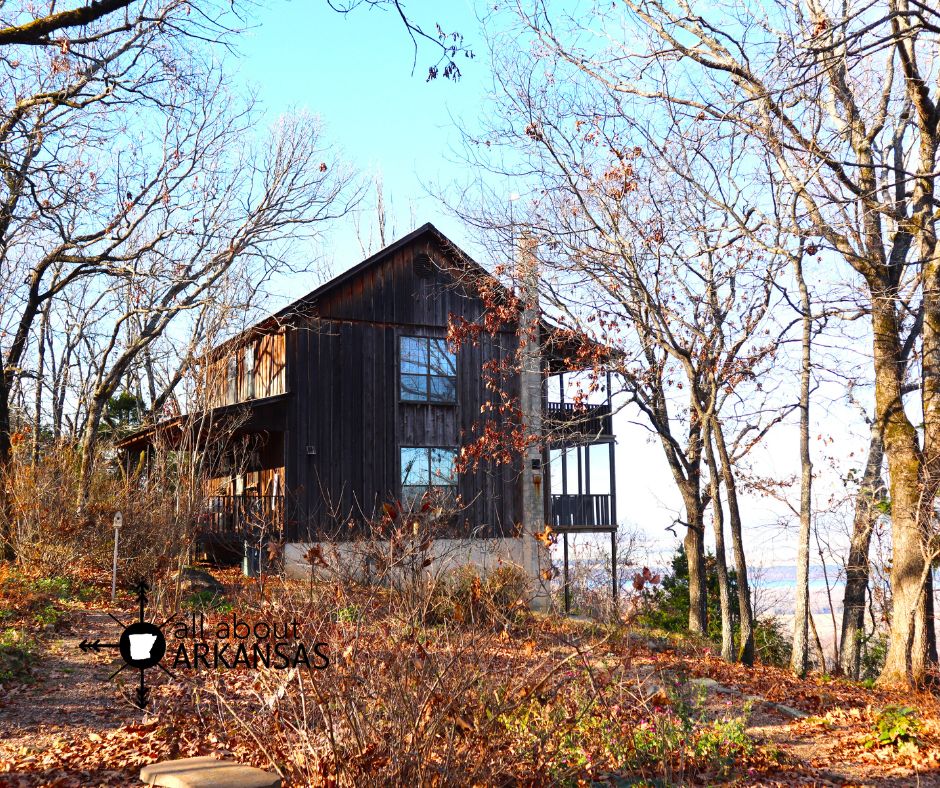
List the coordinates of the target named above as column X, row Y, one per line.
column 535, row 555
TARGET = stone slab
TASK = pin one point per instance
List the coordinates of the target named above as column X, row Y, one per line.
column 207, row 772
column 790, row 711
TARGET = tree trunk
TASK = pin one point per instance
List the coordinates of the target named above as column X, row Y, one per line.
column 930, row 627
column 800, row 654
column 7, row 521
column 88, row 446
column 746, row 615
column 695, row 554
column 718, row 522
column 905, row 662
column 870, row 494
column 820, row 654
column 40, row 376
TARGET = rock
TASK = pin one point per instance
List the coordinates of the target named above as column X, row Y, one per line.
column 658, row 645
column 659, row 697
column 708, row 684
column 196, row 581
column 207, row 772
column 790, row 711
column 705, row 682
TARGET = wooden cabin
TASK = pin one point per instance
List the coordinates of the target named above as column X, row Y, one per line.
column 351, row 397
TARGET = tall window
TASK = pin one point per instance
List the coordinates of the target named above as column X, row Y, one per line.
column 231, row 380
column 428, row 370
column 249, row 363
column 424, row 469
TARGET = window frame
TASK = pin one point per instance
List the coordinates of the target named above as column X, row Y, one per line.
column 428, row 375
column 454, row 450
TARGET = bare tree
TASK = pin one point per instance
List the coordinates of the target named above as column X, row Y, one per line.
column 842, row 102
column 449, row 45
column 129, row 166
column 721, row 561
column 253, row 208
column 870, row 494
column 39, row 30
column 632, row 259
column 58, row 212
column 799, row 656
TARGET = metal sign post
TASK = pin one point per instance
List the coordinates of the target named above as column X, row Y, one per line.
column 118, row 522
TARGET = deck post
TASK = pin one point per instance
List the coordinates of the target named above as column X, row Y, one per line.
column 612, row 470
column 613, row 564
column 567, row 587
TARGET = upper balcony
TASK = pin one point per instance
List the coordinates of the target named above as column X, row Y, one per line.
column 569, row 424
column 584, row 513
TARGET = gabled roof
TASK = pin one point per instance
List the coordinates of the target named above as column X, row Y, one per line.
column 559, row 342
column 304, row 305
column 381, row 256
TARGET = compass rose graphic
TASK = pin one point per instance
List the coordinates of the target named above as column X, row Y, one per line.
column 141, row 646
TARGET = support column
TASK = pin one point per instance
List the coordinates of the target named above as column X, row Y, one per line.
column 612, row 470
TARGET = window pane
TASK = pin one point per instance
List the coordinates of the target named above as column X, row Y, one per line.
column 250, row 371
column 442, row 467
column 231, row 374
column 414, row 388
column 443, row 389
column 414, row 355
column 411, row 494
column 414, row 467
column 443, row 362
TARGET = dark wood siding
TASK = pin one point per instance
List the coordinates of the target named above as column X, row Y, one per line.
column 343, row 376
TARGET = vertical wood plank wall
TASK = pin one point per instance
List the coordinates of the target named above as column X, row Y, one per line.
column 345, row 421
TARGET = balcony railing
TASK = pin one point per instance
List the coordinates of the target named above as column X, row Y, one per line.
column 581, row 512
column 569, row 422
column 240, row 515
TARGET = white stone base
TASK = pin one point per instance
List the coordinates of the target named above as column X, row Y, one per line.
column 361, row 560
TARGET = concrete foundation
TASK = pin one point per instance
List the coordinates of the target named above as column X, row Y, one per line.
column 367, row 560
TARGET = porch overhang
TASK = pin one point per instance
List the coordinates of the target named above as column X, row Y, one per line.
column 268, row 414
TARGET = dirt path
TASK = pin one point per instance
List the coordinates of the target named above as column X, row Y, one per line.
column 71, row 699
column 74, row 727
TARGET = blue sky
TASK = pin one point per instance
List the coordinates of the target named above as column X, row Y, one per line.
column 355, row 72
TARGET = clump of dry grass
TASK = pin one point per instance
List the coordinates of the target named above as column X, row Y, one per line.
column 54, row 535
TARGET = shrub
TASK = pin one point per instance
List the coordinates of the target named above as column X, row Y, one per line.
column 874, row 651
column 463, row 595
column 17, row 653
column 348, row 614
column 772, row 642
column 667, row 608
column 589, row 576
column 208, row 600
column 896, row 725
column 52, row 538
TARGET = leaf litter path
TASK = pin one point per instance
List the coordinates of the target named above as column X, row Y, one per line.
column 818, row 730
column 70, row 700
